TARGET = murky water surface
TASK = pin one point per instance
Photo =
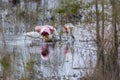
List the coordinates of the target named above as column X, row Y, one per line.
column 61, row 59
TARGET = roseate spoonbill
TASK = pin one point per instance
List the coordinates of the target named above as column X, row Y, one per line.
column 48, row 32
column 69, row 28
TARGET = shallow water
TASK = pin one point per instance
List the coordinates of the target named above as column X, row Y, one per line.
column 62, row 59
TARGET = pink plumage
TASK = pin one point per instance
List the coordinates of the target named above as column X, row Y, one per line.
column 38, row 28
column 45, row 30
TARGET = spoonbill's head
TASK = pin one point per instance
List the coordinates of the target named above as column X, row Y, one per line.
column 66, row 29
column 45, row 34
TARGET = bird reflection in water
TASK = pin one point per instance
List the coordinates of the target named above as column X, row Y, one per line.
column 45, row 50
column 68, row 48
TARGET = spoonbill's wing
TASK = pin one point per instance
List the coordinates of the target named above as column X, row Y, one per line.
column 45, row 29
column 32, row 34
column 50, row 27
column 38, row 28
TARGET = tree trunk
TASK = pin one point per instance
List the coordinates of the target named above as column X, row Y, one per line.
column 114, row 52
column 99, row 69
column 108, row 69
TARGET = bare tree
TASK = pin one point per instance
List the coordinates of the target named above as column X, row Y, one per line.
column 114, row 52
column 107, row 58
